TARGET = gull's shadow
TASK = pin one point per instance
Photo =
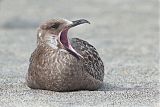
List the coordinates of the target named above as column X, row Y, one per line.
column 112, row 87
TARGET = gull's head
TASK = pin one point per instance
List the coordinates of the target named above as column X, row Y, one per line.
column 58, row 29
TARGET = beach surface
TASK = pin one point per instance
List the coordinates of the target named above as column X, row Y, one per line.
column 124, row 32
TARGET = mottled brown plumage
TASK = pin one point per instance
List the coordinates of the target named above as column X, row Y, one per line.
column 61, row 65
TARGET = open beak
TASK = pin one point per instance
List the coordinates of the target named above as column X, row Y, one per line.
column 64, row 39
column 78, row 22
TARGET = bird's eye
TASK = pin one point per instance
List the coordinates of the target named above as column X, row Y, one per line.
column 55, row 25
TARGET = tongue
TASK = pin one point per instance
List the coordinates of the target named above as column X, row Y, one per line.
column 64, row 40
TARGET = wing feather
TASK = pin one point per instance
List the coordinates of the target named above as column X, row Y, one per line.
column 92, row 61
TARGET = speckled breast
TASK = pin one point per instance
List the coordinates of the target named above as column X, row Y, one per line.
column 54, row 70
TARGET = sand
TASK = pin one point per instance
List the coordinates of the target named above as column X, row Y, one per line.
column 125, row 33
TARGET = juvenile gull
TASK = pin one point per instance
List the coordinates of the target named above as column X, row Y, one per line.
column 60, row 64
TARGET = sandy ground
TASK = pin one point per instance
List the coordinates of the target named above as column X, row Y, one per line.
column 125, row 33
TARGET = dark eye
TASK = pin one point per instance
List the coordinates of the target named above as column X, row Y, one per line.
column 55, row 25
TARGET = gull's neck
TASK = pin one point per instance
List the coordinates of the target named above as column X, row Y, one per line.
column 52, row 41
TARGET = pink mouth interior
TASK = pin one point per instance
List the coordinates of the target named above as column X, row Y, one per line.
column 66, row 43
column 64, row 39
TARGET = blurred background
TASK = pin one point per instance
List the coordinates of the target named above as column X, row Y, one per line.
column 125, row 33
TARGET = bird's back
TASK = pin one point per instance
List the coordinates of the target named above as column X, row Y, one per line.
column 92, row 61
